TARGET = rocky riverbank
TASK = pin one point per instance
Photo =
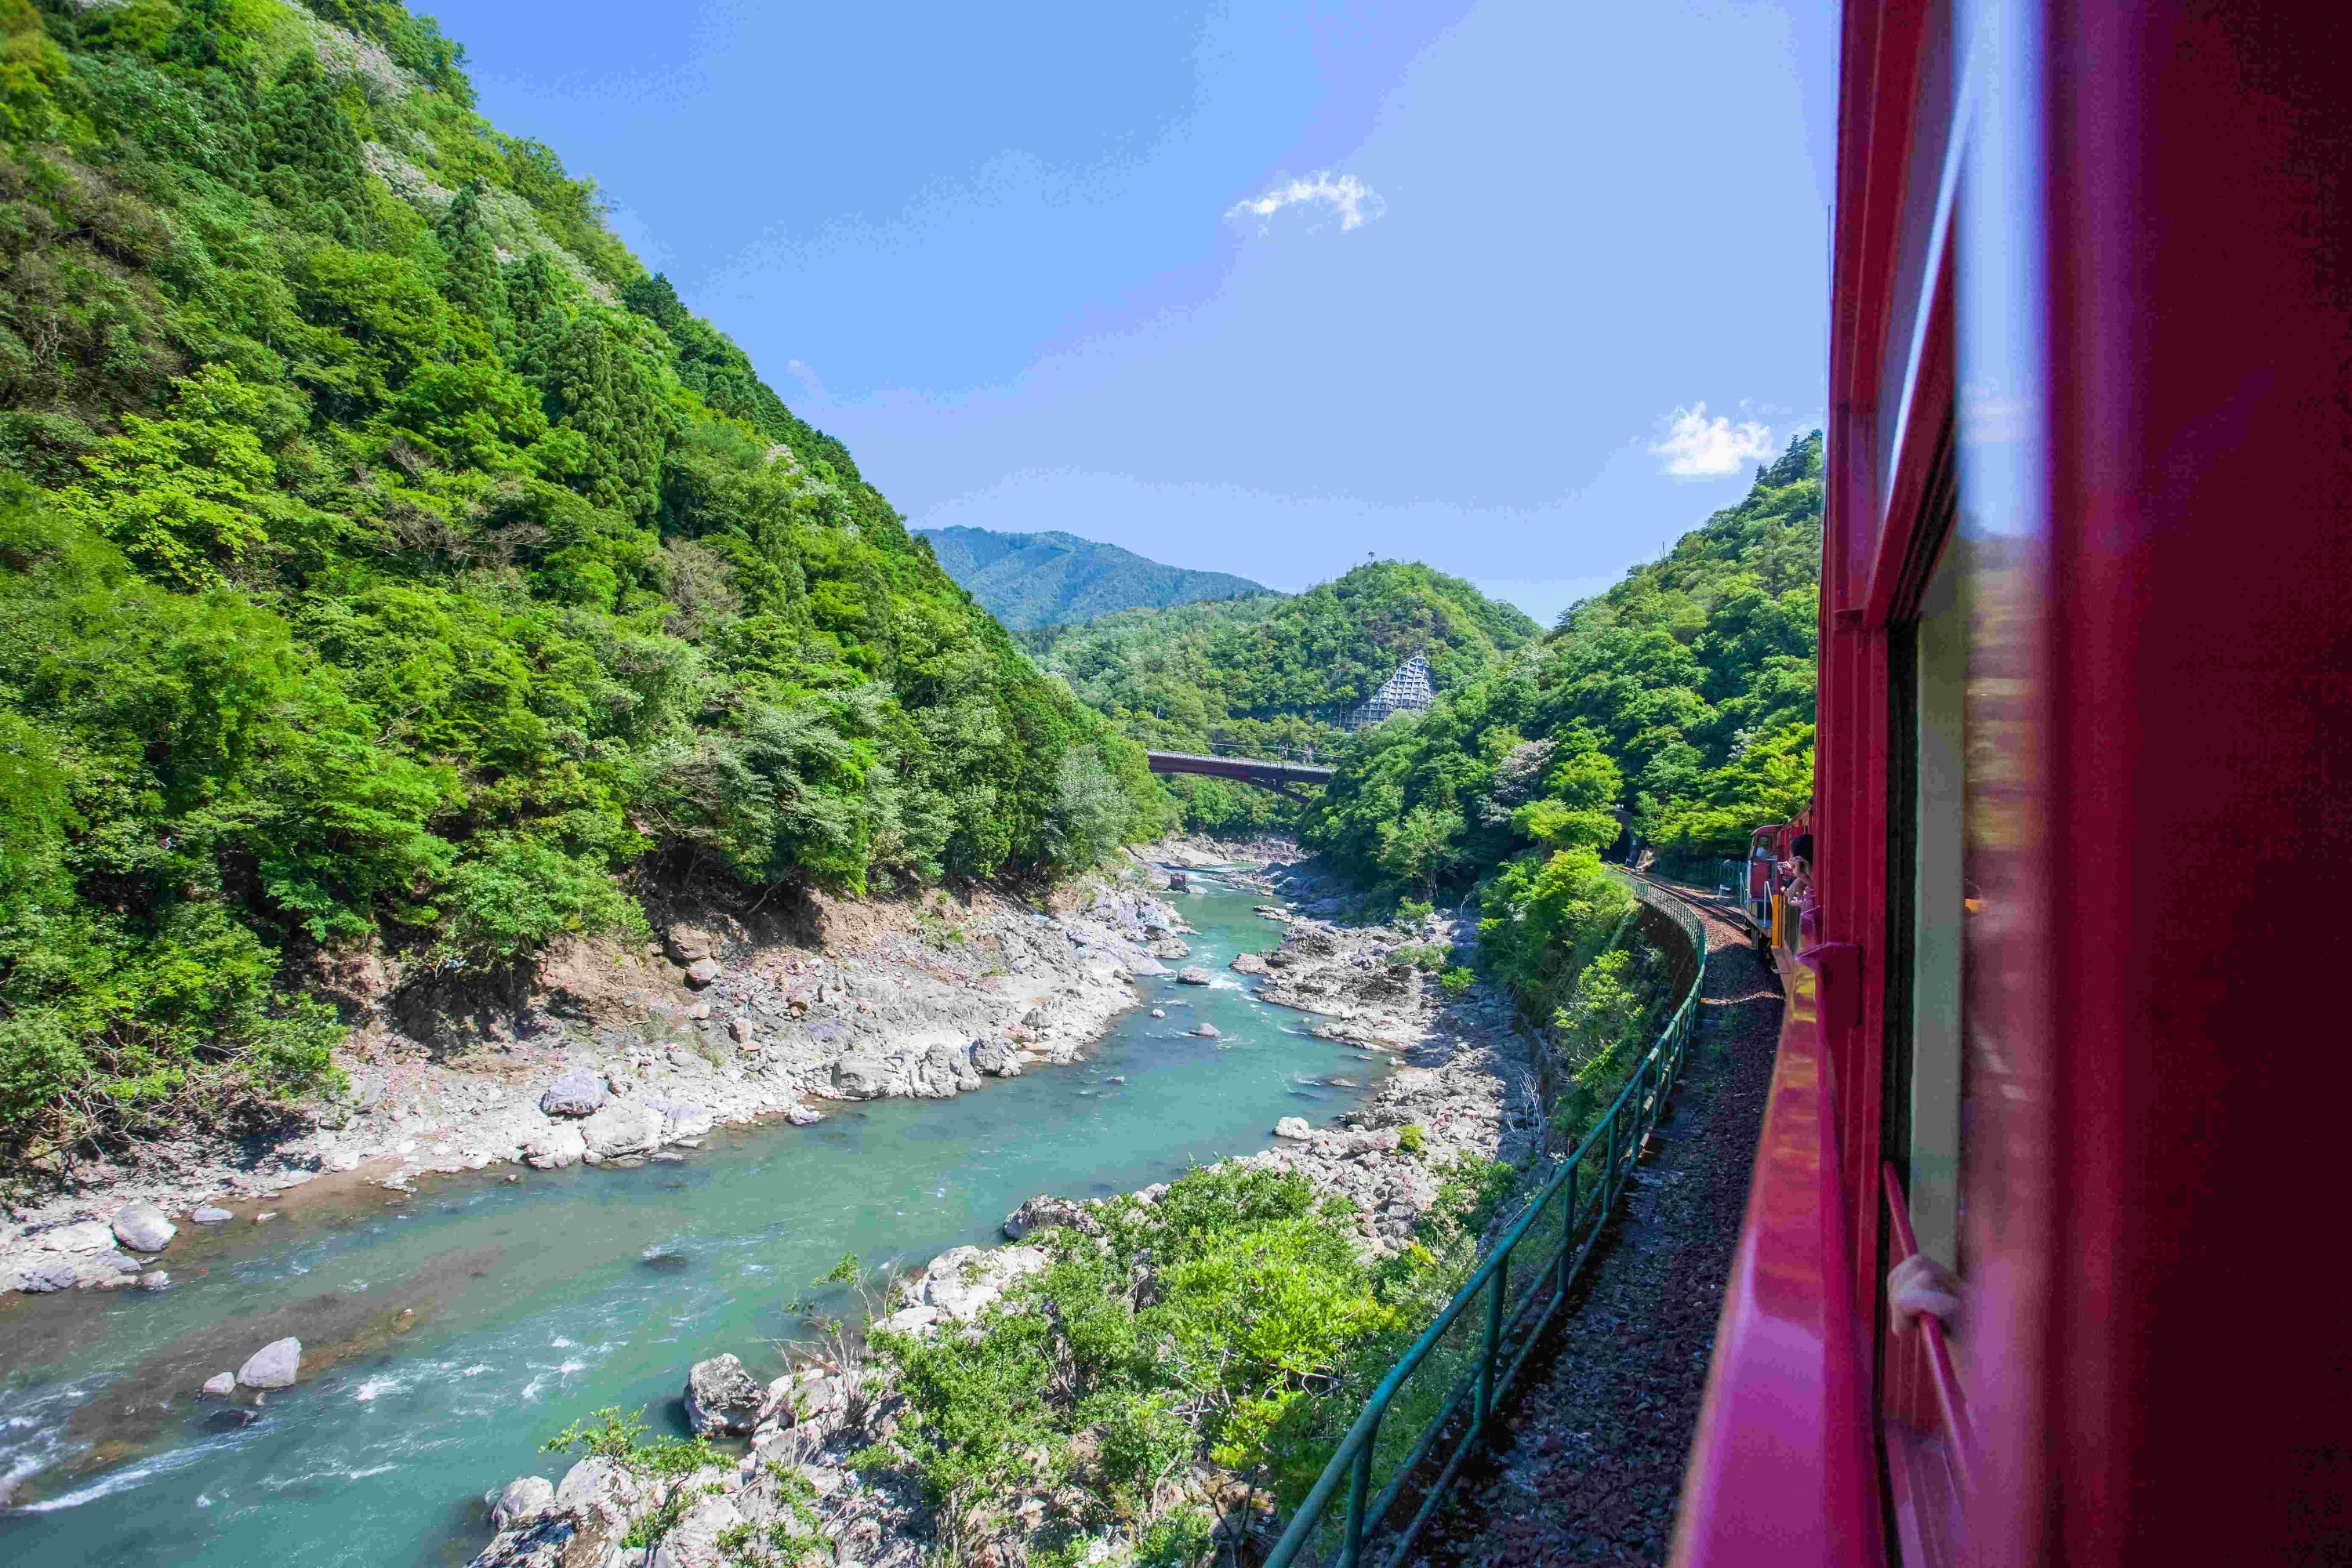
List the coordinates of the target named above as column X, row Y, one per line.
column 826, row 1479
column 605, row 1054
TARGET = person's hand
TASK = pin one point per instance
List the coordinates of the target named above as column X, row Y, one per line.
column 1920, row 1287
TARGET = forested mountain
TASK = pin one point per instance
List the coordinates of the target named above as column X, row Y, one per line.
column 1028, row 580
column 1683, row 695
column 1261, row 674
column 387, row 558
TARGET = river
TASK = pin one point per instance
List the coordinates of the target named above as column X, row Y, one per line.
column 447, row 1335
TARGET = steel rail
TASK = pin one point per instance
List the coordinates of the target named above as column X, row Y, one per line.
column 1613, row 1146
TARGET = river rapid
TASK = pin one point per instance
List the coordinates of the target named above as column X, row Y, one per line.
column 448, row 1334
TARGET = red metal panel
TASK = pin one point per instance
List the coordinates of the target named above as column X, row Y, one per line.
column 1783, row 1468
column 2196, row 680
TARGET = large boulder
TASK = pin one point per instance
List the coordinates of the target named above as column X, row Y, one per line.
column 220, row 1385
column 686, row 1122
column 518, row 1499
column 1192, row 976
column 49, row 1274
column 622, row 1128
column 997, row 1058
column 1251, row 963
column 1045, row 1212
column 142, row 1227
column 553, row 1147
column 274, row 1365
column 721, row 1399
column 694, row 1541
column 688, row 942
column 597, row 1480
column 963, row 1281
column 89, row 1235
column 704, row 972
column 581, row 1538
column 860, row 1076
column 1294, row 1127
column 208, row 1214
column 575, row 1092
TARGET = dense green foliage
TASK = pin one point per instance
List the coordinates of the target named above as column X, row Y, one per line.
column 1682, row 696
column 1029, row 580
column 1233, row 1319
column 1258, row 675
column 389, row 558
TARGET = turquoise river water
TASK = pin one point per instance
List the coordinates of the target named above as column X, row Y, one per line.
column 448, row 1335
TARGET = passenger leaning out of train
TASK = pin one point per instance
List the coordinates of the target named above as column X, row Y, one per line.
column 1920, row 1287
column 1800, row 876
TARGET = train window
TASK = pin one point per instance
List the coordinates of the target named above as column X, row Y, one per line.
column 1937, row 889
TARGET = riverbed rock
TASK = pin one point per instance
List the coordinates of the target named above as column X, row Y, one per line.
column 518, row 1499
column 1294, row 1127
column 155, row 1279
column 1209, row 1032
column 622, row 1128
column 582, row 1538
column 963, row 1281
column 48, row 1274
column 142, row 1227
column 686, row 943
column 575, row 1092
column 88, row 1236
column 693, row 1542
column 211, row 1216
column 220, row 1385
column 721, row 1399
column 861, row 1075
column 704, row 972
column 919, row 1321
column 1045, row 1212
column 274, row 1365
column 1170, row 948
column 1250, row 963
column 688, row 1121
column 554, row 1147
column 1195, row 977
column 997, row 1058
column 1159, row 1012
column 597, row 1480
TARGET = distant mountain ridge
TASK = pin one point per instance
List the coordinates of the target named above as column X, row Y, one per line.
column 1031, row 580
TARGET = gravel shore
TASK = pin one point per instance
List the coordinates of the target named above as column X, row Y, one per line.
column 726, row 1019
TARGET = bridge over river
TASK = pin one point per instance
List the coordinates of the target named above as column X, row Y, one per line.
column 1276, row 774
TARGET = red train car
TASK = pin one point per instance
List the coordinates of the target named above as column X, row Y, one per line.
column 2080, row 801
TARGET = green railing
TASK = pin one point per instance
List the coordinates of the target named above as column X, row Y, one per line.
column 1445, row 1387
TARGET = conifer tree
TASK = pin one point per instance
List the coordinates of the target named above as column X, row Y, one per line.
column 602, row 392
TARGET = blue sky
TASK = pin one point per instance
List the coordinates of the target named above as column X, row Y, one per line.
column 1261, row 287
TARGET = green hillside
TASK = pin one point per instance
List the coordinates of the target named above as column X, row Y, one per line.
column 1683, row 695
column 1029, row 580
column 1261, row 674
column 386, row 559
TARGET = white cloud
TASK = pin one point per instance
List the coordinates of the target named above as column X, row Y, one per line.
column 1356, row 202
column 1697, row 448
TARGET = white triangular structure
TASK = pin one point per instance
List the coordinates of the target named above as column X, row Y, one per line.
column 1409, row 687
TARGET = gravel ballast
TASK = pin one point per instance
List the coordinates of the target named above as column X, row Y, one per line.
column 1588, row 1465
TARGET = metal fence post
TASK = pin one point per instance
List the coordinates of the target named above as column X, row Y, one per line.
column 1497, row 1286
column 1360, row 1486
column 1567, row 1232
